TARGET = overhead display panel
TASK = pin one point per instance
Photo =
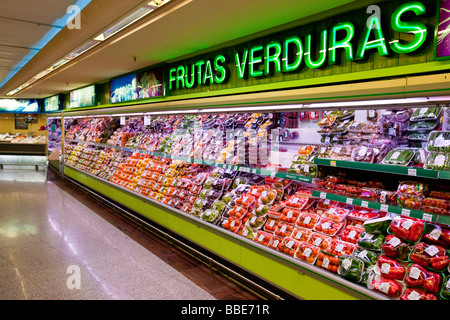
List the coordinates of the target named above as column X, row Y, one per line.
column 19, row 106
column 136, row 86
column 84, row 97
column 52, row 104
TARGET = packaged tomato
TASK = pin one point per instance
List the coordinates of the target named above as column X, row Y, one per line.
column 328, row 226
column 289, row 215
column 351, row 233
column 320, row 240
column 328, row 261
column 288, row 246
column 263, row 238
column 307, row 220
column 296, row 202
column 271, row 225
column 336, row 214
column 327, row 204
column 284, row 229
column 237, row 212
column 231, row 223
column 407, row 228
column 255, row 221
column 301, row 234
column 339, row 247
column 307, row 252
column 275, row 241
column 245, row 200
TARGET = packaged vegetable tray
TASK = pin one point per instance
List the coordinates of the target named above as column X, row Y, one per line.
column 438, row 234
column 407, row 228
column 388, row 287
column 432, row 257
column 438, row 161
column 416, row 294
column 351, row 268
column 371, row 241
column 430, row 113
column 395, row 247
column 307, row 252
column 327, row 261
column 420, row 278
column 439, row 141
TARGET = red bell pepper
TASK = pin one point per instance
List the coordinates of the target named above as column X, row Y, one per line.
column 432, row 283
column 415, row 294
column 415, row 232
column 415, row 276
column 399, row 231
column 439, row 262
column 390, row 268
column 419, row 258
column 389, row 287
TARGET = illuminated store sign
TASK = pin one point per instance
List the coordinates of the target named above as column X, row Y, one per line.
column 19, row 106
column 84, row 97
column 442, row 41
column 311, row 50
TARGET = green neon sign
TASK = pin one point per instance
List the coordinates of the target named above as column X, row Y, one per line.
column 297, row 52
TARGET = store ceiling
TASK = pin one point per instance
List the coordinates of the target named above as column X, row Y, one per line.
column 177, row 29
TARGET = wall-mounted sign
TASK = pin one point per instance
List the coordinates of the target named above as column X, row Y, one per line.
column 84, row 97
column 442, row 37
column 135, row 86
column 19, row 106
column 352, row 38
column 52, row 104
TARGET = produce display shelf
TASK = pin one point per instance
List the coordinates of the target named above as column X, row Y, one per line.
column 296, row 277
column 383, row 207
column 409, row 171
column 260, row 171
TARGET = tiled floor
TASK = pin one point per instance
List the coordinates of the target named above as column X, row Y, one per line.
column 47, row 228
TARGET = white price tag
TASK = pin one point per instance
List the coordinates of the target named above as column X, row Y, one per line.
column 307, row 252
column 414, row 273
column 427, row 217
column 432, row 250
column 364, row 204
column 122, row 121
column 325, row 263
column 384, row 207
column 349, row 201
column 406, row 212
column 407, row 224
column 394, row 242
column 412, row 172
column 323, row 195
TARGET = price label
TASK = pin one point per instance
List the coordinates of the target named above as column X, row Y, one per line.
column 122, row 121
column 146, row 120
column 349, row 201
column 323, row 195
column 333, row 163
column 384, row 207
column 405, row 212
column 412, row 172
column 427, row 217
column 364, row 204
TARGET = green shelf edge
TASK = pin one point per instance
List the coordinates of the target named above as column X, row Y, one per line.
column 409, row 171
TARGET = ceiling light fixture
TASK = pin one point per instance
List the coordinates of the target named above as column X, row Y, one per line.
column 112, row 30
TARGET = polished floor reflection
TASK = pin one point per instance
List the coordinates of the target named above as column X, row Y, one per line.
column 56, row 243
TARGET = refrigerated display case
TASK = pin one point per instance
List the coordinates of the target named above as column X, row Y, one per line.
column 307, row 203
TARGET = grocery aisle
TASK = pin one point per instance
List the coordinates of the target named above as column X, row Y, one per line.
column 47, row 227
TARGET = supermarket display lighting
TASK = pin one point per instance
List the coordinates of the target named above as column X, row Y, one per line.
column 122, row 24
column 283, row 108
